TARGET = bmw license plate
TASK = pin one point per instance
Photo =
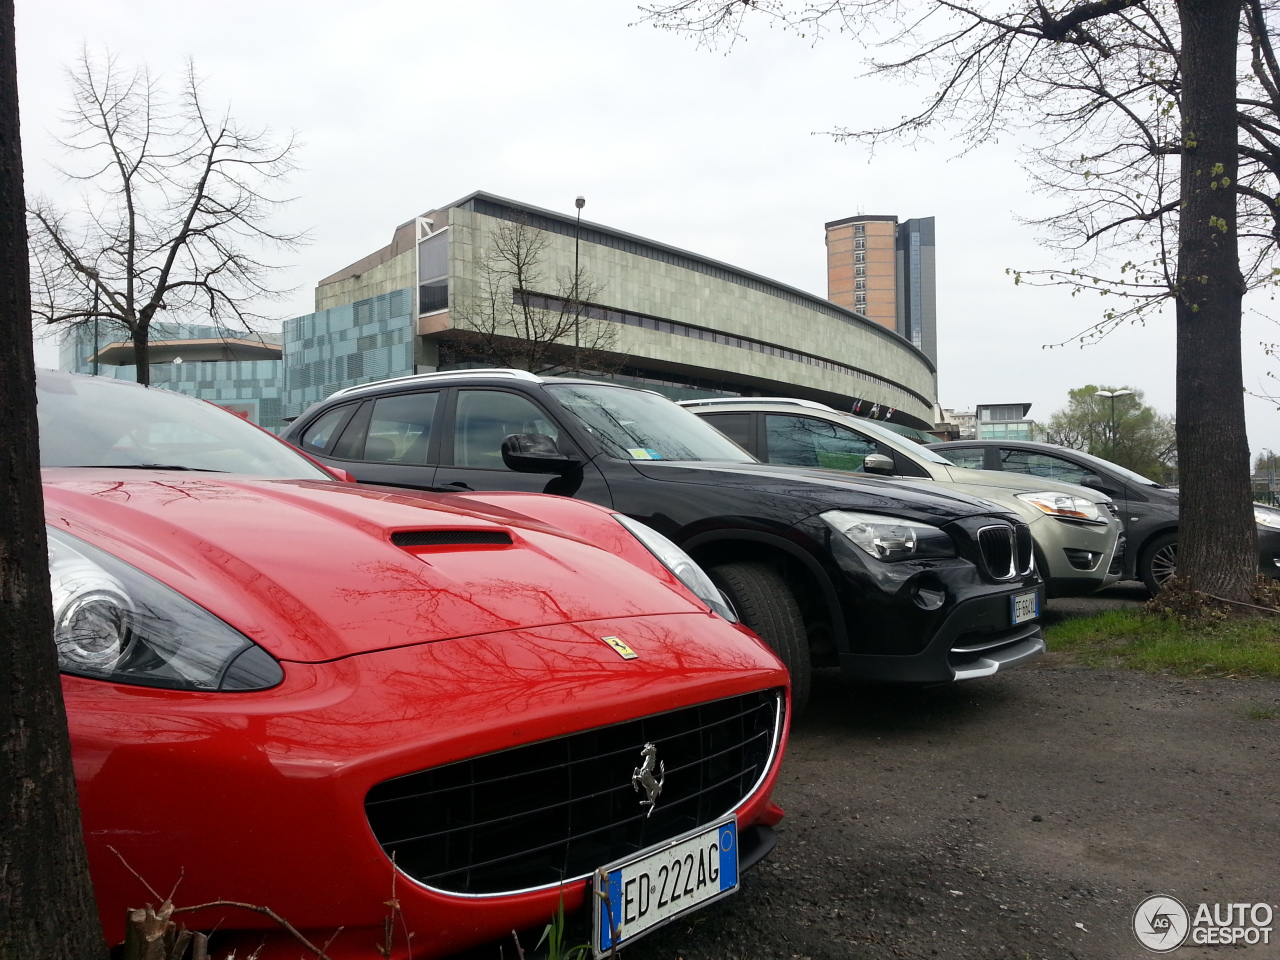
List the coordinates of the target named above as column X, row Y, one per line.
column 1026, row 606
column 645, row 891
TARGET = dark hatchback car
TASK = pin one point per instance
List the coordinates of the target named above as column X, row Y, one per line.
column 1149, row 509
column 888, row 581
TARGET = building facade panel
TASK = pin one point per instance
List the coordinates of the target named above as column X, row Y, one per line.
column 648, row 286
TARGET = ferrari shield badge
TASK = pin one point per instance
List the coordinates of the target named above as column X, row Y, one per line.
column 625, row 652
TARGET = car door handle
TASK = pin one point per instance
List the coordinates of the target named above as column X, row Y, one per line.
column 459, row 484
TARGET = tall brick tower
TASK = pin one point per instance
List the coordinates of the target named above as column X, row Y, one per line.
column 885, row 271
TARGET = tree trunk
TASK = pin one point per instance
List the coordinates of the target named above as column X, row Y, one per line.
column 140, row 334
column 1217, row 552
column 46, row 902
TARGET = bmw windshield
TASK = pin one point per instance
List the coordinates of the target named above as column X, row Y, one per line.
column 639, row 425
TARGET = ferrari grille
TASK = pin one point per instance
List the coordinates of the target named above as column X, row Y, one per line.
column 555, row 810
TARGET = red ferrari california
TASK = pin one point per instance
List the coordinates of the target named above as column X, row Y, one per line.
column 305, row 694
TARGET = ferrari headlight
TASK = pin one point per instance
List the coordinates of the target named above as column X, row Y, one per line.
column 681, row 565
column 1266, row 517
column 1064, row 505
column 113, row 622
column 889, row 538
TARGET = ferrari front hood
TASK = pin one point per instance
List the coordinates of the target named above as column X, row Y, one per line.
column 317, row 571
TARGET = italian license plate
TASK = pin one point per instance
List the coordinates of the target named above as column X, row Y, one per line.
column 647, row 890
column 1026, row 606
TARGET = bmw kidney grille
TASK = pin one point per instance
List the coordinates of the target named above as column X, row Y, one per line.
column 1006, row 550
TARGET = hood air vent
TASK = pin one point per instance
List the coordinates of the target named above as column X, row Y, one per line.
column 450, row 538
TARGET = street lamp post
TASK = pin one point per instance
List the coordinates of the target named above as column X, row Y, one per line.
column 580, row 202
column 1112, row 394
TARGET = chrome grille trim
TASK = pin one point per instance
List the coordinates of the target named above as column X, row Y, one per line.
column 1026, row 554
column 999, row 551
column 772, row 700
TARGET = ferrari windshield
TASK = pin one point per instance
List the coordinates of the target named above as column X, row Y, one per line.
column 639, row 425
column 101, row 422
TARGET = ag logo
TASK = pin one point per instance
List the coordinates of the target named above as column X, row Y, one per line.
column 1160, row 923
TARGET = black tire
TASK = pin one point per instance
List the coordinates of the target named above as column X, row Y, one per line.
column 1159, row 561
column 766, row 604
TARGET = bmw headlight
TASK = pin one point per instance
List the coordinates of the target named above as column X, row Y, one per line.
column 681, row 565
column 889, row 538
column 113, row 622
column 1064, row 505
column 1266, row 517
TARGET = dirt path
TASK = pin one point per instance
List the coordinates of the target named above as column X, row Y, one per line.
column 1025, row 815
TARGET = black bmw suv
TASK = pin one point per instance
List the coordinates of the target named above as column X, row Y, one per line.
column 888, row 579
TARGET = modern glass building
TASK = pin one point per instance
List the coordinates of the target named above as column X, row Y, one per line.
column 370, row 339
column 237, row 370
column 1004, row 421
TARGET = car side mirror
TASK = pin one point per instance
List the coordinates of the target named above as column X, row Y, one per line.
column 878, row 463
column 1095, row 482
column 536, row 453
column 344, row 475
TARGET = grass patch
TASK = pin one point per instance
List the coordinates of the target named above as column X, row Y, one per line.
column 1243, row 647
column 1263, row 713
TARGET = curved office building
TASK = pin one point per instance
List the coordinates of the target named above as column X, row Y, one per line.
column 665, row 318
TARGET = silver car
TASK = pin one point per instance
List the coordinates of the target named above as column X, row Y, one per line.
column 1077, row 531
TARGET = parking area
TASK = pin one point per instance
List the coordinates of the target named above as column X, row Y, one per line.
column 1025, row 815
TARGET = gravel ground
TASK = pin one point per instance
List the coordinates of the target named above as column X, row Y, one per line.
column 1025, row 815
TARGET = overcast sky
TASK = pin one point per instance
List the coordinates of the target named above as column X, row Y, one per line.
column 405, row 105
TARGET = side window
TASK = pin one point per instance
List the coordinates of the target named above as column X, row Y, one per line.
column 972, row 457
column 315, row 439
column 1041, row 465
column 735, row 426
column 810, row 442
column 485, row 417
column 400, row 429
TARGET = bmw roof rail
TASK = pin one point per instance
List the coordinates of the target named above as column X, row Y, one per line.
column 439, row 374
column 784, row 401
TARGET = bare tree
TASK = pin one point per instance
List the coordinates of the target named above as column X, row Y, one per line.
column 518, row 316
column 46, row 902
column 1166, row 153
column 174, row 210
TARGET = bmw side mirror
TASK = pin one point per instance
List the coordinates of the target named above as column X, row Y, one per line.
column 878, row 463
column 536, row 453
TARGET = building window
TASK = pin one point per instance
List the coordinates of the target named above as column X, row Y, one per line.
column 433, row 273
column 860, row 271
column 859, row 229
column 859, row 284
column 859, row 243
column 860, row 257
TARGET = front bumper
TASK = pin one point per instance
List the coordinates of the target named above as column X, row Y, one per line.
column 975, row 640
column 295, row 765
column 1077, row 558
